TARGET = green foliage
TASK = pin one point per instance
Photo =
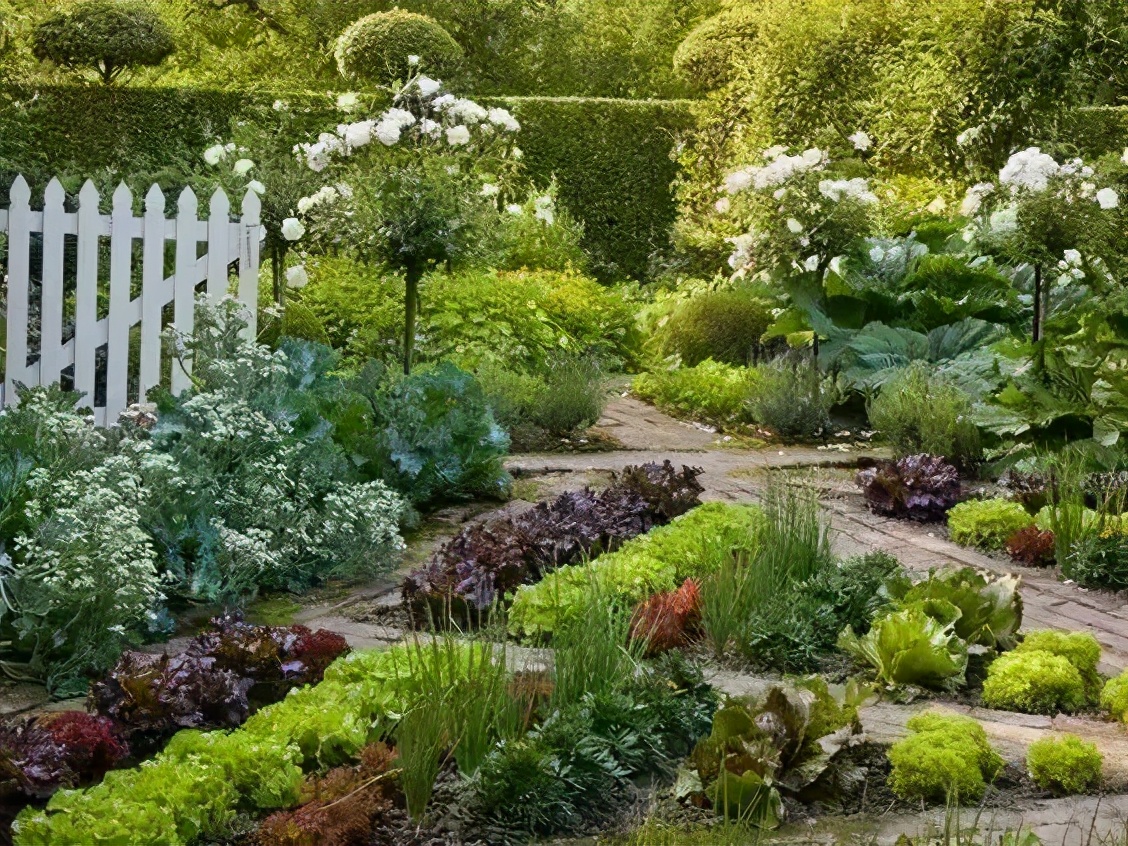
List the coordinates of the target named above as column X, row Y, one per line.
column 911, row 646
column 710, row 391
column 947, row 757
column 987, row 523
column 918, row 412
column 725, row 325
column 1100, row 560
column 794, row 399
column 1034, row 682
column 1081, row 649
column 299, row 322
column 611, row 161
column 106, row 36
column 375, row 49
column 989, row 606
column 1114, row 697
column 431, row 435
column 1065, row 764
column 655, row 562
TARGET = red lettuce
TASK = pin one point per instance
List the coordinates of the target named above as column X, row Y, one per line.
column 70, row 749
column 487, row 560
column 917, row 487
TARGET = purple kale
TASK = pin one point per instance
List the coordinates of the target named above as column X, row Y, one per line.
column 917, row 487
column 70, row 749
column 490, row 559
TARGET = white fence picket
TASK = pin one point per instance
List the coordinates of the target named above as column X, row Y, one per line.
column 49, row 356
column 19, row 277
column 86, row 291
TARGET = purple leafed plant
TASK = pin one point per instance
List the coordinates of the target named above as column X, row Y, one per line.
column 41, row 755
column 916, row 487
column 487, row 560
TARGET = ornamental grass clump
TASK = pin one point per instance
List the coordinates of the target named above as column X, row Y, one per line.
column 987, row 523
column 947, row 757
column 1065, row 764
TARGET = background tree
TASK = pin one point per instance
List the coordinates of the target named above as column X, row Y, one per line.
column 106, row 36
column 377, row 47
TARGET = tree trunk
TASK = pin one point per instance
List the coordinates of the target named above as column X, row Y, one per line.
column 1036, row 334
column 410, row 306
column 276, row 270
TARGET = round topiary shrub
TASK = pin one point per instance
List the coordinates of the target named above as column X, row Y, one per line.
column 1065, row 764
column 724, row 325
column 707, row 56
column 105, row 36
column 1033, row 682
column 377, row 48
column 1080, row 649
column 945, row 756
column 987, row 523
column 1114, row 697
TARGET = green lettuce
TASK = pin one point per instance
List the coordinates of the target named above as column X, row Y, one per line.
column 916, row 645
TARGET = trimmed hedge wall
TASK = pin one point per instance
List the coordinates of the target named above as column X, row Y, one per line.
column 613, row 163
column 611, row 158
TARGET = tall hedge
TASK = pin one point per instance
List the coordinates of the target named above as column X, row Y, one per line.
column 613, row 163
column 611, row 158
column 1096, row 130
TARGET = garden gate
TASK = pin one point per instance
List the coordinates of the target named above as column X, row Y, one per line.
column 71, row 314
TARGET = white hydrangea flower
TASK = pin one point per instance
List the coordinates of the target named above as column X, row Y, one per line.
column 413, row 60
column 973, row 199
column 400, row 117
column 723, row 205
column 387, row 133
column 773, row 153
column 444, row 101
column 877, row 254
column 215, row 154
column 357, row 135
column 848, row 189
column 229, row 147
column 297, row 276
column 502, row 118
column 292, row 229
column 1124, row 157
column 1004, row 220
column 327, row 194
column 458, row 135
column 794, row 226
column 545, row 209
column 1108, row 198
column 937, row 206
column 968, row 135
column 345, row 190
column 515, row 208
column 490, row 190
column 256, row 186
column 427, row 86
column 861, row 141
column 348, row 102
column 1029, row 169
column 742, row 254
column 243, row 167
column 811, row 264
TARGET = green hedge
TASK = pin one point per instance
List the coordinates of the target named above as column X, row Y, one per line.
column 612, row 161
column 1097, row 130
column 611, row 158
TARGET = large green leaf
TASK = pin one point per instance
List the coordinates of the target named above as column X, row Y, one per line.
column 910, row 647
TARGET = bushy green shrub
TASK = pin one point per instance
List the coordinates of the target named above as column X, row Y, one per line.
column 298, row 321
column 1034, row 682
column 1064, row 764
column 711, row 392
column 724, row 325
column 376, row 48
column 658, row 561
column 1080, row 649
column 1114, row 697
column 946, row 757
column 106, row 37
column 987, row 523
column 1100, row 560
column 920, row 413
column 432, row 435
column 794, row 399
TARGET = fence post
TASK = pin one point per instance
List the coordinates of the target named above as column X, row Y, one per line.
column 51, row 287
column 19, row 254
column 219, row 250
column 184, row 286
column 121, row 260
column 152, row 277
column 86, row 291
column 249, row 260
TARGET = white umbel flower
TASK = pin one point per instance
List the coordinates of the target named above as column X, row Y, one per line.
column 458, row 135
column 1108, row 198
column 861, row 141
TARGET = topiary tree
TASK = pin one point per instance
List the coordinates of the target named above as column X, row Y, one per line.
column 382, row 48
column 106, row 36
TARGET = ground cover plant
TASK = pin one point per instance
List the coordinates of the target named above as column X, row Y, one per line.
column 945, row 756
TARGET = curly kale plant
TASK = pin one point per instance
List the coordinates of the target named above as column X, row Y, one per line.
column 917, row 487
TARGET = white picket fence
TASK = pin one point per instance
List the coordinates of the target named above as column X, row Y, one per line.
column 44, row 342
